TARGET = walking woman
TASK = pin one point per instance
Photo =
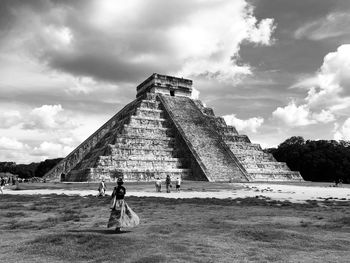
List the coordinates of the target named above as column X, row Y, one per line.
column 168, row 183
column 121, row 213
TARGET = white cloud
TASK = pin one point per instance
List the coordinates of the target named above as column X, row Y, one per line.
column 262, row 32
column 293, row 115
column 58, row 37
column 328, row 96
column 48, row 117
column 51, row 150
column 342, row 132
column 9, row 118
column 195, row 94
column 325, row 116
column 210, row 39
column 67, row 140
column 329, row 87
column 250, row 125
column 12, row 144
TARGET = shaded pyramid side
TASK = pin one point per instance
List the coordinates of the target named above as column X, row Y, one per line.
column 206, row 145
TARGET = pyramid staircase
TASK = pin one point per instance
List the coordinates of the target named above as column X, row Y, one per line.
column 215, row 158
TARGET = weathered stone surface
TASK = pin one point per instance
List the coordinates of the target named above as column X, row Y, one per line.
column 214, row 157
column 165, row 132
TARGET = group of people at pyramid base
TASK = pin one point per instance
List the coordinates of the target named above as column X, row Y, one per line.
column 168, row 184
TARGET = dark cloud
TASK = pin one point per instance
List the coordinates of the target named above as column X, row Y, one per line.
column 75, row 102
column 289, row 15
column 102, row 54
column 290, row 54
column 258, row 94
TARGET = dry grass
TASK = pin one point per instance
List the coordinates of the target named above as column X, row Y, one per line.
column 58, row 228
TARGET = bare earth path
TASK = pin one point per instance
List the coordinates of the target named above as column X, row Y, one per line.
column 292, row 193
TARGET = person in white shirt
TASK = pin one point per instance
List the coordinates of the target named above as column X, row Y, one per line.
column 178, row 184
column 158, row 185
column 102, row 188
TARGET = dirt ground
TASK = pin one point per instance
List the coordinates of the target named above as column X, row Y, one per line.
column 199, row 224
column 293, row 192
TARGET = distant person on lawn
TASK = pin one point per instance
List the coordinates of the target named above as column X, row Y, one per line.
column 2, row 184
column 178, row 184
column 158, row 184
column 168, row 183
column 121, row 213
column 102, row 188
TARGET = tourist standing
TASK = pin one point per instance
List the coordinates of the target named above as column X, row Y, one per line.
column 178, row 184
column 121, row 213
column 2, row 184
column 102, row 188
column 158, row 184
column 168, row 183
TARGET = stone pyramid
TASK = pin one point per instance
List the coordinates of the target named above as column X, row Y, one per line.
column 165, row 132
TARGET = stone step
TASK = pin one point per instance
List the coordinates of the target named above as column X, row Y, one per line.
column 280, row 176
column 142, row 139
column 138, row 174
column 155, row 132
column 249, row 151
column 144, row 142
column 119, row 164
column 266, row 165
column 268, row 171
column 144, row 158
column 228, row 131
column 235, row 138
column 127, row 151
column 138, row 121
column 257, row 157
column 237, row 146
column 145, row 112
column 136, row 162
column 111, row 175
column 150, row 104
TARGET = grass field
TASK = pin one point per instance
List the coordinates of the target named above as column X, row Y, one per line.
column 59, row 228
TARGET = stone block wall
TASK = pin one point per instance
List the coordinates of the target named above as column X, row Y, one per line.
column 140, row 147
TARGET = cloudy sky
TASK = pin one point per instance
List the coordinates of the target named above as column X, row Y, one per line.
column 274, row 69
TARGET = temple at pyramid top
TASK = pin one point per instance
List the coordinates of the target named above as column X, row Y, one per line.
column 164, row 84
column 165, row 132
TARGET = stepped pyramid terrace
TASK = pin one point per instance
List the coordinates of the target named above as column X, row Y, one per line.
column 165, row 132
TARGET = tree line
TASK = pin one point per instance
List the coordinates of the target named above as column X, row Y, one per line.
column 319, row 161
column 29, row 170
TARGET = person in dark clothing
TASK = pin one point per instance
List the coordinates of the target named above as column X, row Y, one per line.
column 121, row 213
column 168, row 183
column 2, row 184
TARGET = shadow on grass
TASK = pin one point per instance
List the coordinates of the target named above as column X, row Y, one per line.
column 100, row 231
column 83, row 246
